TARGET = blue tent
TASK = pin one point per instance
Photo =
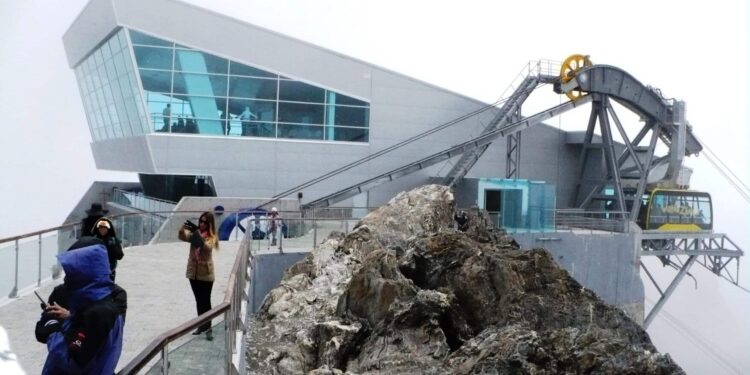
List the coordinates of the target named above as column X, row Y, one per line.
column 229, row 223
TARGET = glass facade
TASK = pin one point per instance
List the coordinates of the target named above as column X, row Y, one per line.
column 522, row 206
column 109, row 91
column 190, row 91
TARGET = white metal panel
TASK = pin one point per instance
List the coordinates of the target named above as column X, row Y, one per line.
column 93, row 24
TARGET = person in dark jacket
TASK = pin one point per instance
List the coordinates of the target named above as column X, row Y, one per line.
column 58, row 304
column 105, row 231
column 462, row 220
column 93, row 215
column 90, row 340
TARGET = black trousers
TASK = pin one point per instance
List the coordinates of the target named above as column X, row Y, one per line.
column 202, row 293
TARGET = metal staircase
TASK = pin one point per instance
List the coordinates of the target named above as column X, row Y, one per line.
column 509, row 113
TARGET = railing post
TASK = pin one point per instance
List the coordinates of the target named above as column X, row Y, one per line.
column 165, row 359
column 142, row 229
column 14, row 292
column 39, row 270
column 236, row 225
column 315, row 231
column 122, row 226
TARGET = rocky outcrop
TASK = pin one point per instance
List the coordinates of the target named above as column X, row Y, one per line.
column 405, row 292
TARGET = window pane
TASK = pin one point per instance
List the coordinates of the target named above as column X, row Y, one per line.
column 244, row 70
column 350, row 134
column 256, row 122
column 134, row 87
column 106, row 52
column 111, row 72
column 114, row 44
column 98, row 57
column 102, row 75
column 117, row 91
column 301, row 113
column 95, row 79
column 199, row 62
column 122, row 38
column 89, row 83
column 125, row 87
column 200, row 107
column 300, row 92
column 301, row 131
column 140, row 38
column 153, row 58
column 155, row 80
column 119, row 64
column 334, row 98
column 196, row 126
column 254, row 88
column 350, row 116
column 261, row 110
column 124, row 117
column 200, row 84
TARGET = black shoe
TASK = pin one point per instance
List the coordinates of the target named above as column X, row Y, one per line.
column 209, row 335
column 199, row 331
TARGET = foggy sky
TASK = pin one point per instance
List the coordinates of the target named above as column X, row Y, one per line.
column 691, row 51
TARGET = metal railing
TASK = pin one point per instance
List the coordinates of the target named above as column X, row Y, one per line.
column 42, row 244
column 234, row 309
column 141, row 202
column 608, row 221
column 31, row 258
column 559, row 220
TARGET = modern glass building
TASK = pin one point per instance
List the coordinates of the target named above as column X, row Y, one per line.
column 190, row 91
column 232, row 109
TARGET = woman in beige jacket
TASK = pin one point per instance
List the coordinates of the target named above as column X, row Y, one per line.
column 200, row 265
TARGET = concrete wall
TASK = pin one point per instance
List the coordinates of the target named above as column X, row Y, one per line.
column 267, row 270
column 606, row 263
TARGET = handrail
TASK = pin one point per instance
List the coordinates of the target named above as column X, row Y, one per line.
column 160, row 342
column 36, row 233
column 144, row 196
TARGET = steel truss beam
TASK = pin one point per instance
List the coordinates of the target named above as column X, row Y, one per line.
column 615, row 173
column 713, row 251
column 513, row 156
column 668, row 292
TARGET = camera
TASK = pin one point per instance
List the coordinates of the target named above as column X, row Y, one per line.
column 190, row 225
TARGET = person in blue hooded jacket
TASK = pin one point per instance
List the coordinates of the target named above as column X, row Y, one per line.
column 90, row 340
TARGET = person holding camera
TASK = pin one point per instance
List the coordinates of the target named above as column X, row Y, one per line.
column 200, row 265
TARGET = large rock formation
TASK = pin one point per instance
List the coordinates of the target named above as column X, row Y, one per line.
column 404, row 292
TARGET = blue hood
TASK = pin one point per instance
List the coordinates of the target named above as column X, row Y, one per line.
column 86, row 274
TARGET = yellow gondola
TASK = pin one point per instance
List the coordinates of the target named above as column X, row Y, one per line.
column 676, row 210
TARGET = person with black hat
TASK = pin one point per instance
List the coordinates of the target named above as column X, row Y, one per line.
column 93, row 215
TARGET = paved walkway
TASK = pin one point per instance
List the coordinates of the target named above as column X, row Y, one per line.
column 159, row 298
